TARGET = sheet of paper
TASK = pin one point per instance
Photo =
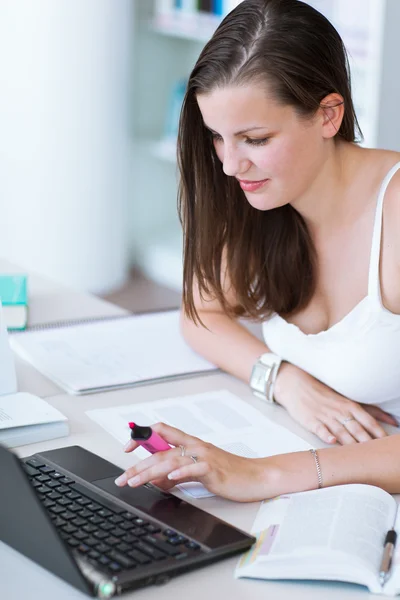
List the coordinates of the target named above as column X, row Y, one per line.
column 22, row 409
column 109, row 353
column 218, row 417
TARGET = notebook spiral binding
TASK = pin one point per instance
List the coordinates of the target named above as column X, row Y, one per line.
column 69, row 323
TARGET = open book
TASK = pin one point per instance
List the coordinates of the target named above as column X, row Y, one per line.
column 335, row 534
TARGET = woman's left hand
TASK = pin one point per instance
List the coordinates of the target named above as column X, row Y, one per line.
column 224, row 474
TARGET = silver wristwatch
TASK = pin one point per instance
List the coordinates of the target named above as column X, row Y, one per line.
column 263, row 376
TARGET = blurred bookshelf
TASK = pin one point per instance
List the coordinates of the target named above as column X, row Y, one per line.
column 170, row 36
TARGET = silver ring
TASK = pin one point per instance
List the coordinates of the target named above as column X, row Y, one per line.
column 347, row 419
column 183, row 450
column 194, row 458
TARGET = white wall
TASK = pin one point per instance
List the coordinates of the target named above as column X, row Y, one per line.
column 65, row 151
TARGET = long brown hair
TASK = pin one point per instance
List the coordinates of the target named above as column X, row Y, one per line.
column 269, row 255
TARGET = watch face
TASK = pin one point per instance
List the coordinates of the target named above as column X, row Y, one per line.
column 259, row 377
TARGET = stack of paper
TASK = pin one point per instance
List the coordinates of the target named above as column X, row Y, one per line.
column 25, row 419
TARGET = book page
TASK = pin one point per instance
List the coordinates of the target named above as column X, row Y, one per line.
column 218, row 417
column 345, row 521
column 22, row 409
column 111, row 353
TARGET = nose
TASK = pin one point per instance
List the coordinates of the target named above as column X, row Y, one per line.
column 233, row 163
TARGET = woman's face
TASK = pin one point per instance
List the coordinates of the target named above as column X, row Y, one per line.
column 273, row 153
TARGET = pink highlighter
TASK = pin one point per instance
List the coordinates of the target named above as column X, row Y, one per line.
column 149, row 439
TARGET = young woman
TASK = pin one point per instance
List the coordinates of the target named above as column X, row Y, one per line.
column 289, row 222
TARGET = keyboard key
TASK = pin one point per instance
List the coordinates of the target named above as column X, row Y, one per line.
column 73, row 542
column 127, row 525
column 94, row 554
column 89, row 528
column 181, row 556
column 153, row 552
column 35, row 483
column 78, row 522
column 100, row 535
column 153, row 528
column 106, row 526
column 104, row 502
column 59, row 522
column 112, row 541
column 192, row 545
column 91, row 541
column 43, row 478
column 74, row 496
column 96, row 520
column 43, row 489
column 115, row 519
column 138, row 531
column 57, row 510
column 52, row 484
column 170, row 533
column 83, row 548
column 66, row 480
column 138, row 521
column 103, row 512
column 123, row 547
column 30, row 470
column 74, row 507
column 120, row 558
column 93, row 506
column 102, row 548
column 129, row 539
column 84, row 513
column 35, row 462
column 161, row 545
column 69, row 528
column 139, row 557
column 47, row 470
column 67, row 515
column 103, row 560
column 117, row 532
column 64, row 501
column 54, row 496
column 62, row 489
column 177, row 540
column 129, row 516
column 114, row 567
column 80, row 535
column 81, row 500
column 57, row 475
column 48, row 503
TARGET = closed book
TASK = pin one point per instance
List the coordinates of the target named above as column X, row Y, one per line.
column 14, row 298
column 27, row 419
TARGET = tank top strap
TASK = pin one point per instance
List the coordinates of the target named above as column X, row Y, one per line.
column 374, row 288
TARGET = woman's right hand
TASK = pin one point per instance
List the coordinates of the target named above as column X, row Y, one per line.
column 324, row 412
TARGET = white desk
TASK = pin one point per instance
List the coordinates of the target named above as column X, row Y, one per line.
column 21, row 578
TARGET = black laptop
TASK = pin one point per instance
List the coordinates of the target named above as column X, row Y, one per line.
column 63, row 510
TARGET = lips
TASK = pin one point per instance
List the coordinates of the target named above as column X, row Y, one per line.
column 252, row 186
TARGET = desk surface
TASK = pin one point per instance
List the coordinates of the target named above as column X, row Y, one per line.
column 22, row 578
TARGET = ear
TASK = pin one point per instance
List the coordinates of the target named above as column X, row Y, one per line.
column 332, row 112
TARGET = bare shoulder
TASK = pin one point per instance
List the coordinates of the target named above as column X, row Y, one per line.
column 391, row 207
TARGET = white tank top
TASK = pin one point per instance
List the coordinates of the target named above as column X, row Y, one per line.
column 359, row 356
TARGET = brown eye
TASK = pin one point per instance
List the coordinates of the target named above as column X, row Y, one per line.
column 257, row 141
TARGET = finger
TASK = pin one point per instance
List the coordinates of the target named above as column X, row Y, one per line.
column 369, row 423
column 130, row 446
column 323, row 432
column 159, row 470
column 174, row 436
column 191, row 472
column 357, row 431
column 147, row 463
column 381, row 415
column 340, row 432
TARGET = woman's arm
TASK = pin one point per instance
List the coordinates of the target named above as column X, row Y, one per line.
column 247, row 480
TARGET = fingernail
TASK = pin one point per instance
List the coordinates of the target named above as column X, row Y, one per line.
column 173, row 475
column 127, row 445
column 134, row 480
column 121, row 480
column 331, row 439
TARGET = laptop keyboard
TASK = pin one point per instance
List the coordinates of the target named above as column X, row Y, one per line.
column 110, row 537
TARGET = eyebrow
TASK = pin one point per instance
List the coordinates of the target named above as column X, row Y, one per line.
column 241, row 132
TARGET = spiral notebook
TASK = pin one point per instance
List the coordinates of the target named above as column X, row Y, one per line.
column 95, row 355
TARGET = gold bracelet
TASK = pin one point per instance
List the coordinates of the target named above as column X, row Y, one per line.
column 318, row 466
